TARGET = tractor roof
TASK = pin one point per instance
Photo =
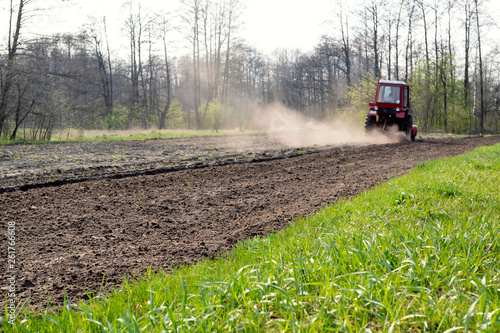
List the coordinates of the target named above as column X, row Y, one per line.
column 392, row 82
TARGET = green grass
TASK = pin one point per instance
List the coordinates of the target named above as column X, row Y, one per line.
column 73, row 135
column 417, row 254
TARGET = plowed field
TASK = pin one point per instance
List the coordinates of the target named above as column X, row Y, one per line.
column 115, row 209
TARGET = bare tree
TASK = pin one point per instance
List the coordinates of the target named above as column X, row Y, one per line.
column 166, row 108
column 12, row 46
column 409, row 42
column 28, row 95
column 233, row 15
column 373, row 11
column 346, row 48
column 434, row 113
column 134, row 34
column 103, row 58
column 192, row 18
column 110, row 85
column 481, row 80
column 398, row 25
column 389, row 45
column 467, row 28
column 423, row 9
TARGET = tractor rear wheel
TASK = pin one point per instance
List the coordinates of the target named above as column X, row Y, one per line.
column 407, row 127
column 370, row 123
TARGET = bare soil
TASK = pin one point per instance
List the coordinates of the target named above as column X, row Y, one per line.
column 24, row 166
column 169, row 202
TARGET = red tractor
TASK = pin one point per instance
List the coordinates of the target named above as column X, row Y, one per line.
column 391, row 108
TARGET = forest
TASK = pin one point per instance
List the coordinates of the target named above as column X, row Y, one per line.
column 213, row 79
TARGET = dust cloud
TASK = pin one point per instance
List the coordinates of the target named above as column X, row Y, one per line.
column 295, row 130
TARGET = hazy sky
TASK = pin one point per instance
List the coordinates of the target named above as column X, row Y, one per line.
column 269, row 24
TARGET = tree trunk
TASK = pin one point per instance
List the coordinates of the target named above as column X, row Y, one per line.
column 436, row 66
column 344, row 41
column 196, row 61
column 390, row 53
column 134, row 76
column 466, row 66
column 409, row 41
column 426, row 40
column 481, row 115
column 111, row 102
column 398, row 22
column 166, row 109
column 376, row 68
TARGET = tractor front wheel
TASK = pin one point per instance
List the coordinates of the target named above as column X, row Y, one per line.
column 370, row 123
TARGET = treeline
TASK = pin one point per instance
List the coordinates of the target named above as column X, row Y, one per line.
column 75, row 80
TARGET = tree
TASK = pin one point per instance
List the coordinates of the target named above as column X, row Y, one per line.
column 191, row 17
column 103, row 58
column 166, row 108
column 8, row 73
column 481, row 79
column 409, row 42
column 398, row 25
column 372, row 10
column 467, row 28
column 343, row 18
column 134, row 27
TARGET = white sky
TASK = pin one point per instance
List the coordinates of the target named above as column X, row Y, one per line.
column 269, row 24
column 282, row 23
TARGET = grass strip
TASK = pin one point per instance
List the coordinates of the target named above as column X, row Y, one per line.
column 420, row 253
